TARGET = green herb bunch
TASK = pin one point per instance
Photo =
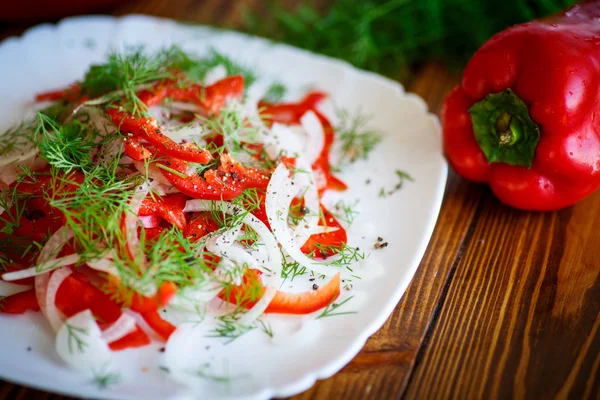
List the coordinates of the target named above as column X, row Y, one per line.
column 389, row 35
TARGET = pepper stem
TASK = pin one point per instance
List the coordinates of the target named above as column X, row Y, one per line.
column 504, row 130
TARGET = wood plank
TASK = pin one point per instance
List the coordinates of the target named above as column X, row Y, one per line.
column 522, row 314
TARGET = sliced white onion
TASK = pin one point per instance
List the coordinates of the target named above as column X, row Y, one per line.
column 283, row 138
column 179, row 133
column 18, row 156
column 278, row 200
column 305, row 182
column 79, row 343
column 42, row 268
column 50, row 249
column 316, row 136
column 53, row 315
column 120, row 328
column 104, row 263
column 273, row 280
column 8, row 289
column 131, row 219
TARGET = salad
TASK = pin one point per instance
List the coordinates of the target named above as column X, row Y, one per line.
column 171, row 181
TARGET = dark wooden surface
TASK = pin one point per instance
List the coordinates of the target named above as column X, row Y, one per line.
column 505, row 304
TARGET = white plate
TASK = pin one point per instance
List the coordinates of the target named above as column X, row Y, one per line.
column 49, row 56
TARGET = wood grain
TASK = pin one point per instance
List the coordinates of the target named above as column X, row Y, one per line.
column 522, row 312
column 505, row 304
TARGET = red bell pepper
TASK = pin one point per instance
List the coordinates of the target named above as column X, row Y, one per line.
column 524, row 117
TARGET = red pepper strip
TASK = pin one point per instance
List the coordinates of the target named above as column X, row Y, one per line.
column 135, row 150
column 290, row 113
column 158, row 325
column 324, row 244
column 247, row 294
column 137, row 338
column 170, row 208
column 528, row 130
column 148, row 128
column 321, row 165
column 71, row 93
column 212, row 98
column 19, row 303
column 200, row 225
column 162, row 298
column 76, row 294
column 224, row 183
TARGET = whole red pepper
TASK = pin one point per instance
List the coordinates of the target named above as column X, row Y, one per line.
column 524, row 117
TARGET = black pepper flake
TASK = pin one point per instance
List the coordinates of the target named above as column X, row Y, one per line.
column 315, row 286
column 311, row 279
column 367, row 181
column 304, row 210
column 157, row 130
column 380, row 245
column 207, row 347
column 162, row 349
column 29, row 348
column 380, row 239
column 323, row 255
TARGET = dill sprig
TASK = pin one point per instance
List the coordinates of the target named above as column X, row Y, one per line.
column 275, row 92
column 75, row 340
column 346, row 212
column 331, row 309
column 356, row 140
column 196, row 68
column 105, row 379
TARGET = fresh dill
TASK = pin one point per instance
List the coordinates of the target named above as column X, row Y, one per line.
column 356, row 140
column 75, row 340
column 228, row 327
column 275, row 92
column 266, row 328
column 104, row 380
column 346, row 212
column 402, row 178
column 345, row 255
column 332, row 309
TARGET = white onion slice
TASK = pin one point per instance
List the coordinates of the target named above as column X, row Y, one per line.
column 52, row 313
column 131, row 219
column 50, row 249
column 278, row 203
column 120, row 328
column 8, row 289
column 79, row 343
column 306, row 184
column 104, row 263
column 273, row 280
column 42, row 268
column 316, row 136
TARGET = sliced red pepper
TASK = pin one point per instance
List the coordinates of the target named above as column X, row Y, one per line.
column 158, row 325
column 170, row 208
column 283, row 303
column 137, row 338
column 77, row 294
column 163, row 296
column 200, row 225
column 324, row 244
column 19, row 303
column 212, row 98
column 148, row 128
column 224, row 183
column 71, row 93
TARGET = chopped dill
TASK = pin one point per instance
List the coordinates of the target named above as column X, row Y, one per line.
column 356, row 140
column 275, row 92
column 346, row 212
column 104, row 380
column 75, row 340
column 331, row 309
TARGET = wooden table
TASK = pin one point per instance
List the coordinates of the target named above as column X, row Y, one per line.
column 504, row 304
